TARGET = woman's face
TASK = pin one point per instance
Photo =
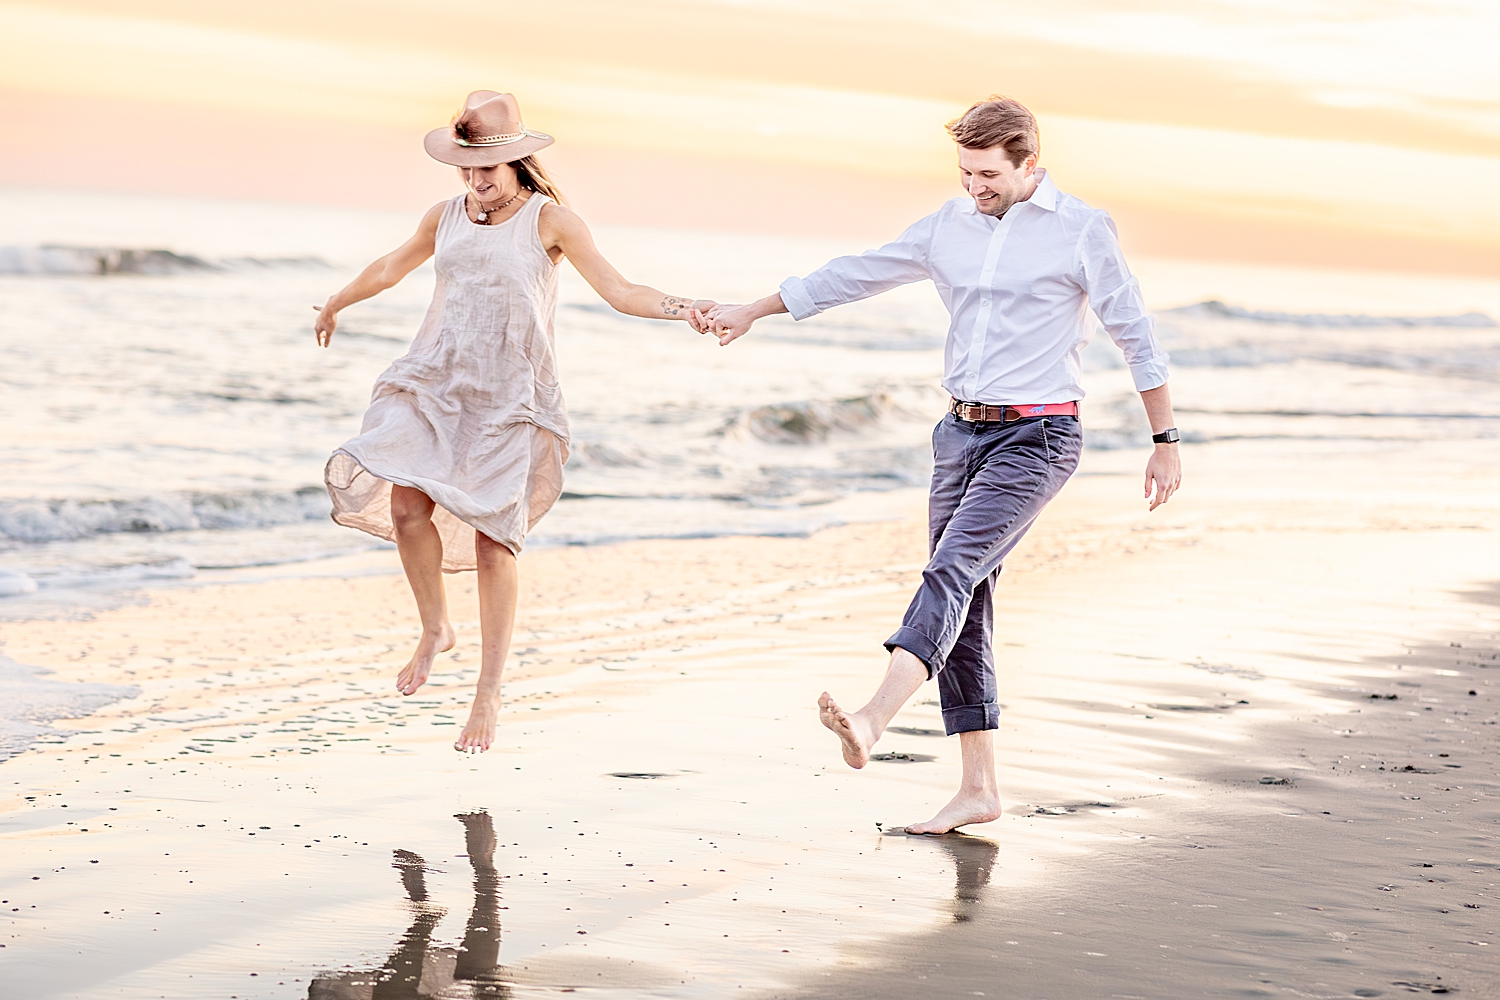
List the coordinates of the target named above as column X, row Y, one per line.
column 490, row 183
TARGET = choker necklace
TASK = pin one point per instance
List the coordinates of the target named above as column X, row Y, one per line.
column 482, row 215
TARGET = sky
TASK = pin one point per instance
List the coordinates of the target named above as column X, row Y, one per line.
column 1344, row 133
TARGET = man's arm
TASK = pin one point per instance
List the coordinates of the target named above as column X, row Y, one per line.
column 1164, row 468
column 841, row 280
column 1116, row 300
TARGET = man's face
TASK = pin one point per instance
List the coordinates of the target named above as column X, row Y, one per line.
column 993, row 181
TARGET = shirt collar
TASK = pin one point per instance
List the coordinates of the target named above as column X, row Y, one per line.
column 1044, row 197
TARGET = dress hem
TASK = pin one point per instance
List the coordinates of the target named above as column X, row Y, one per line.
column 361, row 524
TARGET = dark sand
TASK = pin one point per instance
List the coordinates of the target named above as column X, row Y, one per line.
column 1367, row 865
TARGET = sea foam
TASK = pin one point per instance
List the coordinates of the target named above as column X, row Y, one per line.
column 32, row 700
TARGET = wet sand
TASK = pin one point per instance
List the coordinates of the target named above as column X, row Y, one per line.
column 1208, row 790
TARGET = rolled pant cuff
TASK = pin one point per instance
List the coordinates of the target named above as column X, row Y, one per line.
column 917, row 645
column 971, row 718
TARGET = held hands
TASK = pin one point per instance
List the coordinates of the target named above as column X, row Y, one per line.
column 697, row 312
column 729, row 322
column 1163, row 474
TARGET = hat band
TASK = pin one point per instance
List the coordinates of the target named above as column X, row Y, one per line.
column 495, row 140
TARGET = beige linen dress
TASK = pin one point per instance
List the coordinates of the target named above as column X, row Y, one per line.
column 472, row 415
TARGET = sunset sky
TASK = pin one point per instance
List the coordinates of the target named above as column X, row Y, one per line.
column 1346, row 133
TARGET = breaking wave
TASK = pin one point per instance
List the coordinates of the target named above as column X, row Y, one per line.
column 31, row 520
column 66, row 260
column 1214, row 309
column 813, row 421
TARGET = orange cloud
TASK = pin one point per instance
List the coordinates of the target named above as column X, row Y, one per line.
column 818, row 116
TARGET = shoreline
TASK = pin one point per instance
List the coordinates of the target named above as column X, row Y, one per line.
column 137, row 583
column 661, row 783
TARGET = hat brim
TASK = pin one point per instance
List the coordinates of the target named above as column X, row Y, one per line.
column 441, row 147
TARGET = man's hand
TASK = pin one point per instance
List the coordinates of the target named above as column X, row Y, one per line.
column 729, row 322
column 1164, row 469
column 1163, row 474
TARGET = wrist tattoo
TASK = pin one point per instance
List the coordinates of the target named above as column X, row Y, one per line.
column 671, row 305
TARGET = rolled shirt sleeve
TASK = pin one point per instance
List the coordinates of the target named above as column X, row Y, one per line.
column 1116, row 300
column 849, row 279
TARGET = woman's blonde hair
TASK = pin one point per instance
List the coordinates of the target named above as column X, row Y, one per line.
column 534, row 177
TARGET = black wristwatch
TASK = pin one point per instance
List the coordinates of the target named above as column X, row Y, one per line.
column 1168, row 436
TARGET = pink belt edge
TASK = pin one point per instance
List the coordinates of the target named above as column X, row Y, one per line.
column 1009, row 412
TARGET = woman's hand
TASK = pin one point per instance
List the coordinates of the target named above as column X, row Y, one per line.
column 326, row 323
column 697, row 314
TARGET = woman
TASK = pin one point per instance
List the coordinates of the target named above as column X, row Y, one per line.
column 462, row 448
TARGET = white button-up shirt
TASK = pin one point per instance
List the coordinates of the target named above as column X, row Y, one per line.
column 1018, row 289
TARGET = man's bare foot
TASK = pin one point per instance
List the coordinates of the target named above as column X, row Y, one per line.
column 853, row 731
column 479, row 731
column 414, row 674
column 967, row 807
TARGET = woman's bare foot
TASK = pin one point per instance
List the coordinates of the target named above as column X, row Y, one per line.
column 479, row 731
column 414, row 674
column 853, row 731
column 479, row 836
column 965, row 808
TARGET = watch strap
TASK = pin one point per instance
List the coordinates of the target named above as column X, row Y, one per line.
column 1168, row 436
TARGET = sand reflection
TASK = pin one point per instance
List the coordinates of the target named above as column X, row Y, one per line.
column 420, row 970
column 973, row 861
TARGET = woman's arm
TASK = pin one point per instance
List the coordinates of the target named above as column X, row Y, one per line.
column 380, row 275
column 564, row 230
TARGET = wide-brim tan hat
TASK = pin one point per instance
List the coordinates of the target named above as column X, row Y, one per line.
column 487, row 130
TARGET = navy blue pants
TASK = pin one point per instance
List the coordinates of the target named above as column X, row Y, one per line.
column 989, row 483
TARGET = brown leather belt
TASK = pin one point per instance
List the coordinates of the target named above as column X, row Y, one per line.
column 985, row 413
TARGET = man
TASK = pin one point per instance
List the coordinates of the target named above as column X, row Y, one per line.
column 1018, row 264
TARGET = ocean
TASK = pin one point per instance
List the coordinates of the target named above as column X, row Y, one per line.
column 165, row 412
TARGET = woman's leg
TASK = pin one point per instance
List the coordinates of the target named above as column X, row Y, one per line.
column 421, row 549
column 498, row 586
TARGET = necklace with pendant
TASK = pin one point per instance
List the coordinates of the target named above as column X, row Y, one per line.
column 482, row 215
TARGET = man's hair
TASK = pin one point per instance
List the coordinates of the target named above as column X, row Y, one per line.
column 998, row 121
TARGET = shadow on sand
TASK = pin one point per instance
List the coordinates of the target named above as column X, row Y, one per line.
column 420, row 970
